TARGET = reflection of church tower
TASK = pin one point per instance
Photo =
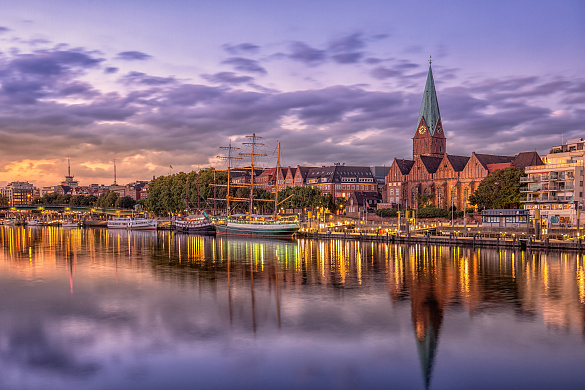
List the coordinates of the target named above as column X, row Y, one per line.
column 427, row 317
column 429, row 138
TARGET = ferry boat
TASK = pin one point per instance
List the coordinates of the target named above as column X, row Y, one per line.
column 132, row 223
column 194, row 224
column 258, row 225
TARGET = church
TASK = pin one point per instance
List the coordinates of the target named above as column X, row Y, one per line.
column 435, row 177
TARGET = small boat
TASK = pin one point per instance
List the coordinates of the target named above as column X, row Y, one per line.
column 194, row 224
column 132, row 223
column 70, row 224
column 9, row 222
column 34, row 222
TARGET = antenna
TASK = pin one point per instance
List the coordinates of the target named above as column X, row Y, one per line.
column 115, row 183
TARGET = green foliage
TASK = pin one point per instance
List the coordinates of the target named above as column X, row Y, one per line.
column 107, row 199
column 306, row 198
column 387, row 213
column 4, row 201
column 53, row 198
column 498, row 189
column 169, row 194
column 81, row 200
column 125, row 202
column 433, row 212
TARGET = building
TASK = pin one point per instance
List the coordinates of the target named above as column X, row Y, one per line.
column 435, row 177
column 20, row 193
column 341, row 181
column 556, row 188
column 359, row 201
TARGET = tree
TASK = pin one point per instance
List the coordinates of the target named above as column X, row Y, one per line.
column 499, row 189
column 4, row 201
column 107, row 199
column 125, row 202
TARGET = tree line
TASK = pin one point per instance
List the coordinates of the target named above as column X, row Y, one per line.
column 106, row 199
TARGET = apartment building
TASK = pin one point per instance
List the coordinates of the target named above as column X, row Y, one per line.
column 556, row 188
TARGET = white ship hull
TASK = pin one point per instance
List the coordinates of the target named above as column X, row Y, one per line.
column 132, row 223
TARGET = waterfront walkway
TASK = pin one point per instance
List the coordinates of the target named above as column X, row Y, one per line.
column 427, row 239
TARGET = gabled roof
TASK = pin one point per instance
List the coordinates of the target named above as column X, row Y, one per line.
column 458, row 162
column 361, row 196
column 429, row 108
column 404, row 165
column 527, row 159
column 486, row 159
column 431, row 163
column 303, row 171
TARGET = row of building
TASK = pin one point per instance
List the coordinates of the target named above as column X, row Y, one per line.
column 554, row 184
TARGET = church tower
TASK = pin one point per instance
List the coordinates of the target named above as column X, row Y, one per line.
column 429, row 138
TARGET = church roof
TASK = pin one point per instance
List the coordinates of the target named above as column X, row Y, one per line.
column 404, row 165
column 527, row 159
column 458, row 162
column 429, row 108
column 486, row 159
column 431, row 163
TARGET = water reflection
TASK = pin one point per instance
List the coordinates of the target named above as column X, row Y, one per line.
column 118, row 309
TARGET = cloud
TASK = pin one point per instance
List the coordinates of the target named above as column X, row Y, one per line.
column 4, row 29
column 144, row 79
column 227, row 78
column 245, row 65
column 133, row 55
column 242, row 48
column 111, row 69
column 300, row 51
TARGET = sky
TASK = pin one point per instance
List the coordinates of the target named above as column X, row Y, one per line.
column 160, row 86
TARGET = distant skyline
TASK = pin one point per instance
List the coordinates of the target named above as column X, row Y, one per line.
column 157, row 84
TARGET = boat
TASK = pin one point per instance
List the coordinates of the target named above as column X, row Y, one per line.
column 258, row 225
column 9, row 222
column 70, row 224
column 194, row 224
column 251, row 224
column 34, row 222
column 132, row 223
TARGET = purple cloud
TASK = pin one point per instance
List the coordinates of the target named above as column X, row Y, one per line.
column 133, row 55
column 242, row 48
column 144, row 79
column 227, row 78
column 245, row 65
column 300, row 51
column 4, row 29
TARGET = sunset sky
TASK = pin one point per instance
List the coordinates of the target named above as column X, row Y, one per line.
column 156, row 83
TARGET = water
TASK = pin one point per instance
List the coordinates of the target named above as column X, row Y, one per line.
column 99, row 309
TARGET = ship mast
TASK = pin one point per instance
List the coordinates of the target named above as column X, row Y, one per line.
column 229, row 159
column 253, row 143
column 277, row 177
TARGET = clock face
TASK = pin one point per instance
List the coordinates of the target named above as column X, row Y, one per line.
column 422, row 129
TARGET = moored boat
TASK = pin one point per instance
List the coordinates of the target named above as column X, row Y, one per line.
column 132, row 223
column 194, row 224
column 70, row 224
column 9, row 222
column 34, row 222
column 258, row 225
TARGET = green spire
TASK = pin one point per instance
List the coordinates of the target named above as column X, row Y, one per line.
column 429, row 109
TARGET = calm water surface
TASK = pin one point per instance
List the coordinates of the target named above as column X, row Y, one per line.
column 99, row 309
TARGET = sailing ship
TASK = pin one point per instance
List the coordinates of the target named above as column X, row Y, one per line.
column 252, row 224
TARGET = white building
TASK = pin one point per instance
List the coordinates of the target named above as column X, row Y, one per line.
column 556, row 188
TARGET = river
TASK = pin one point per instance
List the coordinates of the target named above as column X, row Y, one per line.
column 102, row 309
